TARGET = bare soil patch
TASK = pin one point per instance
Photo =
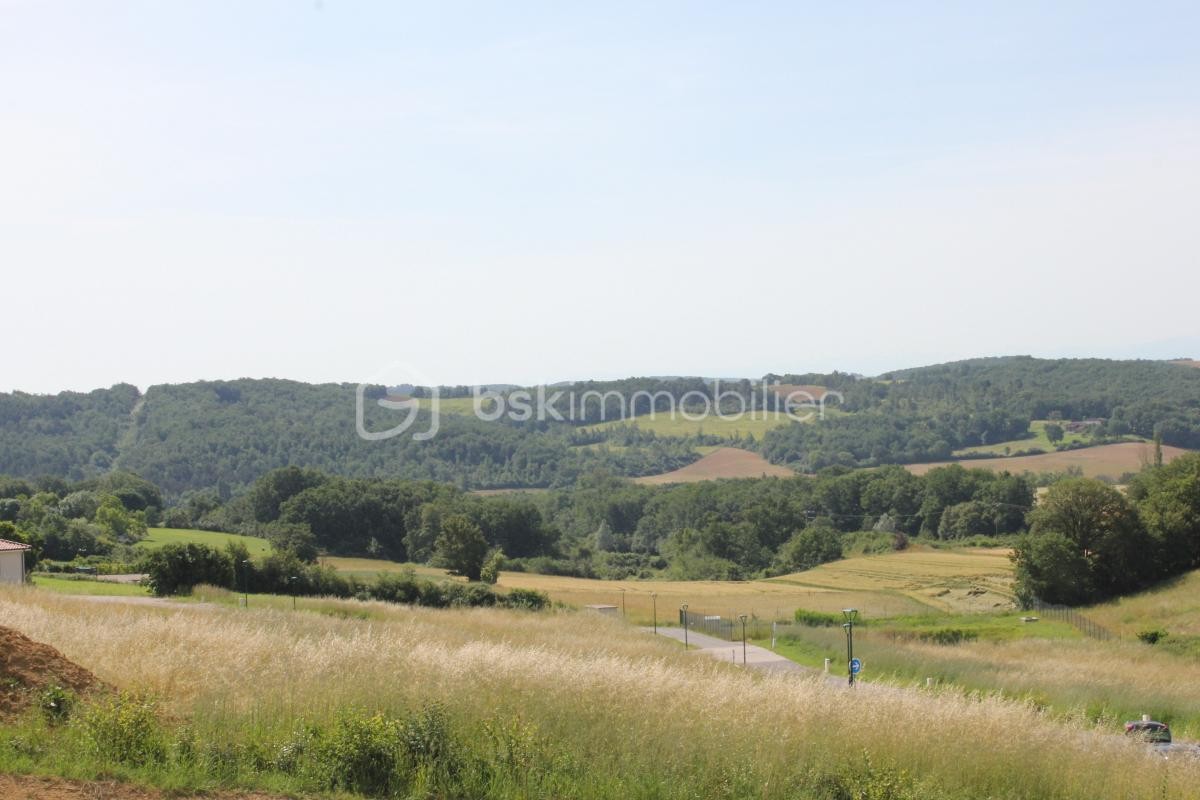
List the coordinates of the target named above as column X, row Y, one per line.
column 27, row 667
column 1110, row 460
column 725, row 462
column 27, row 787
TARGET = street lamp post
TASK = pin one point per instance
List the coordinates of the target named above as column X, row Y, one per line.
column 246, row 582
column 683, row 614
column 292, row 584
column 622, row 602
column 849, row 614
column 742, row 617
column 654, row 611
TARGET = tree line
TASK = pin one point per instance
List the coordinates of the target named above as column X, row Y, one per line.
column 1088, row 541
column 218, row 437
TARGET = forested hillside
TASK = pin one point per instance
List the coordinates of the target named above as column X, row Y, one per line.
column 925, row 414
column 226, row 434
column 222, row 435
column 71, row 435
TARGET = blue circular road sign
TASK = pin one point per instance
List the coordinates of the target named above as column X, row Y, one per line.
column 855, row 666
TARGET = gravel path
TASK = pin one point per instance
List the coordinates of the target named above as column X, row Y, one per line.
column 756, row 657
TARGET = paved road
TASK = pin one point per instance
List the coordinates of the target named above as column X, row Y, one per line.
column 756, row 657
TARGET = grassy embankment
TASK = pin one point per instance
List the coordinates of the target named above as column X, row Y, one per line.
column 507, row 704
column 1045, row 662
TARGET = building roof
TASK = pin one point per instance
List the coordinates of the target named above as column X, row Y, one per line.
column 5, row 544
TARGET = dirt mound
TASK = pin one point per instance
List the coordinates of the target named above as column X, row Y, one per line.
column 27, row 667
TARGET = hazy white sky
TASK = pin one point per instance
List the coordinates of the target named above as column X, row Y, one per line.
column 536, row 192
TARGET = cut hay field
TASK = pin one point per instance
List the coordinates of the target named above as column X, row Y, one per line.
column 158, row 537
column 1109, row 460
column 919, row 581
column 753, row 424
column 970, row 579
column 723, row 462
column 503, row 704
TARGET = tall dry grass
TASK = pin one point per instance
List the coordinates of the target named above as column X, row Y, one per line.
column 625, row 709
column 1106, row 683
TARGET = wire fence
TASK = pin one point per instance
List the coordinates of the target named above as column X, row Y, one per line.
column 724, row 626
column 1088, row 627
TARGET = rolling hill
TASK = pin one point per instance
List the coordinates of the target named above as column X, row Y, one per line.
column 1109, row 461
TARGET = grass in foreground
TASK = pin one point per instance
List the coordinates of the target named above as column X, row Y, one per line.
column 1046, row 663
column 506, row 704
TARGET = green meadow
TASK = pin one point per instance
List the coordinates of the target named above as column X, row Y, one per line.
column 158, row 537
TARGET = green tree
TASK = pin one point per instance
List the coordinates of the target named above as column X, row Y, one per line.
column 176, row 568
column 277, row 487
column 816, row 544
column 1054, row 432
column 1051, row 567
column 123, row 525
column 491, row 568
column 1168, row 501
column 1104, row 529
column 293, row 538
column 461, row 547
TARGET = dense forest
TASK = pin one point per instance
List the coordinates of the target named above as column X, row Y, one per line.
column 221, row 435
column 603, row 526
column 1083, row 541
column 925, row 414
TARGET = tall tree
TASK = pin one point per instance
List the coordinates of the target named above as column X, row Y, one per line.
column 461, row 547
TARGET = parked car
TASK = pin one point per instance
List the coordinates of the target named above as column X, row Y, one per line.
column 1158, row 736
column 1149, row 731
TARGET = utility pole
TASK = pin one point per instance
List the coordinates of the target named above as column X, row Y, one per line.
column 683, row 615
column 742, row 617
column 622, row 602
column 849, row 615
column 246, row 582
column 654, row 607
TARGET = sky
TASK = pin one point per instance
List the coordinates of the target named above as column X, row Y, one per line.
column 536, row 192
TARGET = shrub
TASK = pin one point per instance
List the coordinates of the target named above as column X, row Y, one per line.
column 817, row 619
column 361, row 754
column 378, row 756
column 529, row 599
column 1152, row 636
column 491, row 568
column 123, row 728
column 948, row 636
column 56, row 703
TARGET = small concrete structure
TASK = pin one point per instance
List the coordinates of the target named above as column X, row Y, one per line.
column 12, row 561
column 603, row 609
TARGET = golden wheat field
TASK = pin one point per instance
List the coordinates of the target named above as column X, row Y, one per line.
column 965, row 579
column 915, row 581
column 1103, row 461
column 616, row 700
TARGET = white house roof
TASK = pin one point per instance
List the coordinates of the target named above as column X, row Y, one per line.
column 6, row 545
